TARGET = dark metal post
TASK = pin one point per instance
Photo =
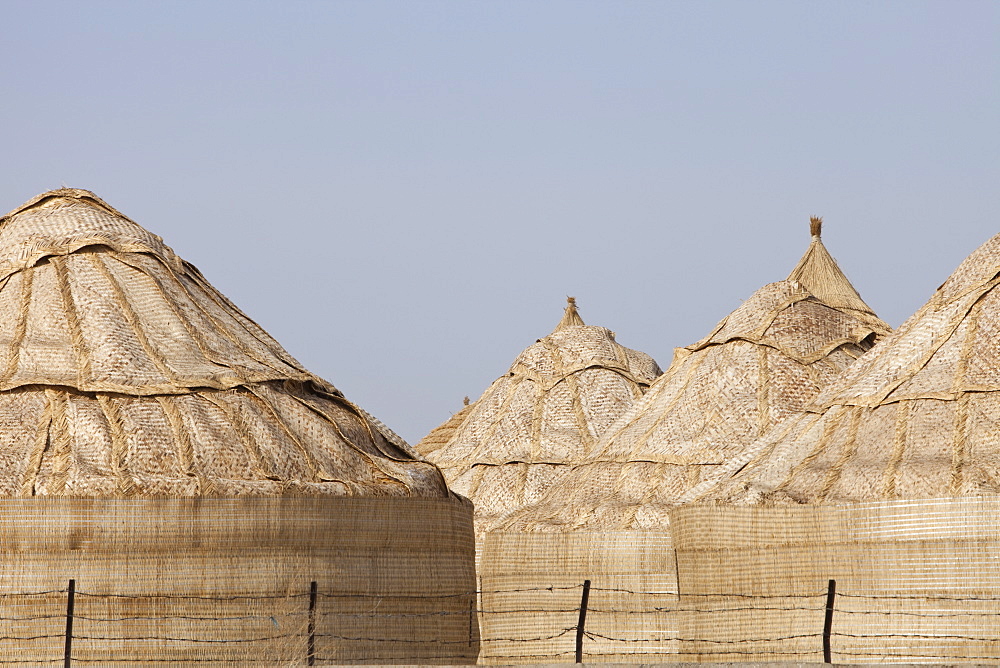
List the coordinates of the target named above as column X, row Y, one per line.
column 70, row 602
column 311, row 651
column 472, row 620
column 831, row 594
column 582, row 621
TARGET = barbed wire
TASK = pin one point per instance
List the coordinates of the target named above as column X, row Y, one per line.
column 20, row 594
column 196, row 597
column 879, row 654
column 739, row 641
column 919, row 597
column 196, row 618
column 927, row 615
column 927, row 636
column 661, row 610
column 742, row 652
column 297, row 636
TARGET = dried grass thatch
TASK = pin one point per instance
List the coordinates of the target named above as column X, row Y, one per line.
column 764, row 361
column 544, row 414
column 124, row 373
column 916, row 418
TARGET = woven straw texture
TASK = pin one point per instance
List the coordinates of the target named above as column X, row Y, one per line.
column 124, row 373
column 763, row 362
column 546, row 413
column 915, row 418
column 607, row 520
column 531, row 585
column 227, row 581
column 917, row 581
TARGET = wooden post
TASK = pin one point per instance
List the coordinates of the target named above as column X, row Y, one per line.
column 831, row 594
column 311, row 650
column 70, row 602
column 582, row 621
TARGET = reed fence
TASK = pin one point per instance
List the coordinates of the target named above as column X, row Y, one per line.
column 72, row 626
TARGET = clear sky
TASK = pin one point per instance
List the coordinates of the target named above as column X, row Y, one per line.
column 404, row 193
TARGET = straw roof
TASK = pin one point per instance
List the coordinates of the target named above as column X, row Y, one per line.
column 819, row 273
column 123, row 372
column 916, row 418
column 763, row 362
column 560, row 394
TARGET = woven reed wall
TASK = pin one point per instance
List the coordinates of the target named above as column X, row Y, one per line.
column 531, row 589
column 395, row 578
column 917, row 581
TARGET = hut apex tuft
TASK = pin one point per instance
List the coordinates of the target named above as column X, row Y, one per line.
column 816, row 227
column 571, row 317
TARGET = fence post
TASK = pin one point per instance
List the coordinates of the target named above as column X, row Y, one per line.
column 311, row 649
column 472, row 620
column 70, row 602
column 582, row 621
column 831, row 593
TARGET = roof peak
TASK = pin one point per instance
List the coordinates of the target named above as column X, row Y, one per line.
column 820, row 274
column 67, row 194
column 571, row 317
column 63, row 221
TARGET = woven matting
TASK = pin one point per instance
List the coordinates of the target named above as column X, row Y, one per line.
column 765, row 361
column 227, row 581
column 545, row 414
column 124, row 373
column 915, row 418
column 917, row 580
column 532, row 585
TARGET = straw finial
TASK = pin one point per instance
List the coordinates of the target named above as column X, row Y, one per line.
column 815, row 226
column 571, row 317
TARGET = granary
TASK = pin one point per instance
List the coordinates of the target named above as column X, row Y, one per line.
column 914, row 419
column 887, row 484
column 533, row 423
column 210, row 499
column 760, row 364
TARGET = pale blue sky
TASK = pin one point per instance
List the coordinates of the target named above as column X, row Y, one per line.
column 404, row 193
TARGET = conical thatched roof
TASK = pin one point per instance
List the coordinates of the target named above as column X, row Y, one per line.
column 124, row 373
column 915, row 418
column 763, row 362
column 546, row 412
column 819, row 273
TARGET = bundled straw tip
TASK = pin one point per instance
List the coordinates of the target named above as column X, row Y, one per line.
column 571, row 301
column 815, row 226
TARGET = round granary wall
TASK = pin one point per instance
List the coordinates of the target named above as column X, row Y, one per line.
column 228, row 581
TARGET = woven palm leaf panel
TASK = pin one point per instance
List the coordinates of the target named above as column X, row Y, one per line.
column 763, row 362
column 913, row 419
column 760, row 364
column 227, row 581
column 125, row 375
column 917, row 581
column 912, row 425
column 536, row 421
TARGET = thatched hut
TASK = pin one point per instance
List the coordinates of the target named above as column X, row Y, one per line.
column 164, row 452
column 760, row 364
column 535, row 422
column 887, row 483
